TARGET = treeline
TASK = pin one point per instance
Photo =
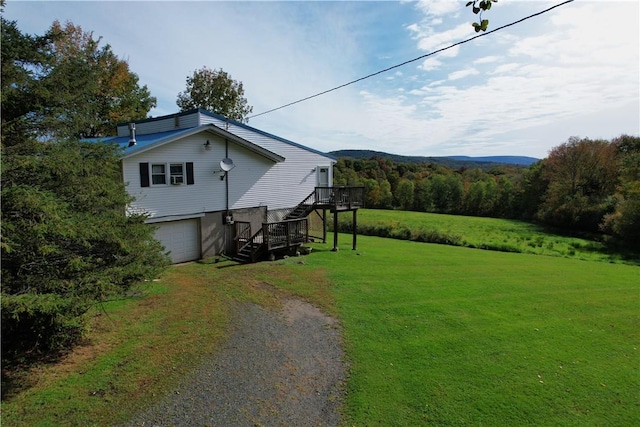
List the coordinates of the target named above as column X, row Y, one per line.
column 583, row 185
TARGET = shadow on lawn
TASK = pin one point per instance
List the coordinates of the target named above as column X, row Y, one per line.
column 17, row 371
column 610, row 248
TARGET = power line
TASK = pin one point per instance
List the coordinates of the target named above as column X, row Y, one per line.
column 409, row 61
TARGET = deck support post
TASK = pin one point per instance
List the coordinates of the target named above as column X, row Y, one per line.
column 354, row 225
column 335, row 231
column 324, row 226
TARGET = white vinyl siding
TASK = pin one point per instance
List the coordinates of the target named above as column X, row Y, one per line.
column 297, row 173
column 254, row 181
column 158, row 201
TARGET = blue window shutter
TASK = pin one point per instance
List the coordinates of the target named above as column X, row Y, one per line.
column 190, row 180
column 144, row 174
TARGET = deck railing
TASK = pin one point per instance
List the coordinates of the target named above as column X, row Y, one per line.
column 295, row 231
column 272, row 236
column 283, row 234
column 340, row 197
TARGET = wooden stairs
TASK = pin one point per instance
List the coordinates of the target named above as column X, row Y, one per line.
column 293, row 230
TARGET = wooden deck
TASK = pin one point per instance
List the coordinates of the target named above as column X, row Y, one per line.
column 339, row 198
column 293, row 230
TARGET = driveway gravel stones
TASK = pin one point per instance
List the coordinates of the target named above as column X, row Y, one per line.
column 278, row 368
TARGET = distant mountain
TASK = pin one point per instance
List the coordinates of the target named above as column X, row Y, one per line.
column 453, row 162
column 511, row 160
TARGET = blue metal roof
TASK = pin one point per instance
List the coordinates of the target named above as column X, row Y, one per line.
column 148, row 139
column 261, row 132
column 142, row 141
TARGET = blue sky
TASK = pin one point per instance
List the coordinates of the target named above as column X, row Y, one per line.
column 574, row 71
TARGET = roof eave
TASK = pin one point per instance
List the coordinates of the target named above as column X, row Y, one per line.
column 261, row 132
column 276, row 158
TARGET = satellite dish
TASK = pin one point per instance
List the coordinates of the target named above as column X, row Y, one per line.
column 226, row 164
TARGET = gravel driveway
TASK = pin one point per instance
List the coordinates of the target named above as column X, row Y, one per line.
column 278, row 368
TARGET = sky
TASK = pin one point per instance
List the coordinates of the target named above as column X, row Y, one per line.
column 522, row 90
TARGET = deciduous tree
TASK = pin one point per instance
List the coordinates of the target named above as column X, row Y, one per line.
column 582, row 174
column 624, row 222
column 422, row 200
column 404, row 194
column 65, row 84
column 215, row 91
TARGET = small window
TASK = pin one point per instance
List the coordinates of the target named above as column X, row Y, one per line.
column 163, row 174
column 176, row 171
column 158, row 175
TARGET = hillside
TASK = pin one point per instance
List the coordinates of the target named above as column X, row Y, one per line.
column 512, row 160
column 453, row 162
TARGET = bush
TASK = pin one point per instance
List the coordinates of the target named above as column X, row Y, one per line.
column 394, row 231
column 33, row 324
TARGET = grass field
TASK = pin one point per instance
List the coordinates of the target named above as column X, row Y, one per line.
column 435, row 335
column 485, row 233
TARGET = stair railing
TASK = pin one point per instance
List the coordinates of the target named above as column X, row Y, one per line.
column 254, row 243
column 309, row 201
column 243, row 233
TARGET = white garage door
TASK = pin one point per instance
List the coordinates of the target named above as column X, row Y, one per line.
column 180, row 238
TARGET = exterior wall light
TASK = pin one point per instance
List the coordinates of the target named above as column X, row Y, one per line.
column 207, row 145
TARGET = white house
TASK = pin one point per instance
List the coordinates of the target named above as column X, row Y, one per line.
column 195, row 172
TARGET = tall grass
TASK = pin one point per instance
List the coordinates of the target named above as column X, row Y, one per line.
column 483, row 233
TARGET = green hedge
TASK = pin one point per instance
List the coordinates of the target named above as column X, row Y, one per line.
column 33, row 324
column 394, row 231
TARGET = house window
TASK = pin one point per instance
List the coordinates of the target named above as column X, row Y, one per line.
column 158, row 174
column 176, row 172
column 163, row 174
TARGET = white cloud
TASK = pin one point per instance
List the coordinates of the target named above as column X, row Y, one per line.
column 572, row 71
column 438, row 7
column 505, row 68
column 487, row 59
column 460, row 74
column 450, row 53
column 414, row 28
column 438, row 40
column 430, row 64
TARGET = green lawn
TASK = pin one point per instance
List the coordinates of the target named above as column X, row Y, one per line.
column 435, row 335
column 441, row 335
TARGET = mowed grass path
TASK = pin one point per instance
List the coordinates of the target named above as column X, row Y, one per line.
column 441, row 335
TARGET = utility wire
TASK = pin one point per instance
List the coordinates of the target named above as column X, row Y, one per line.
column 409, row 61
